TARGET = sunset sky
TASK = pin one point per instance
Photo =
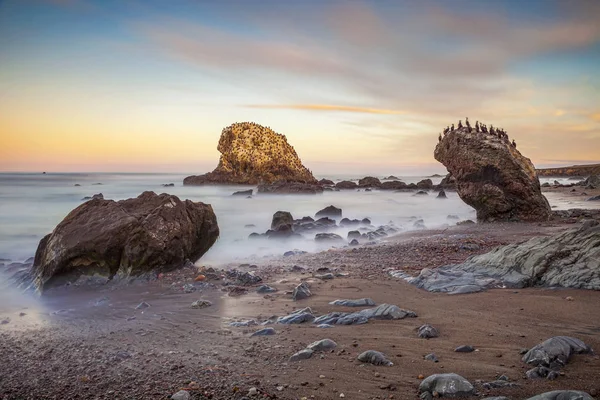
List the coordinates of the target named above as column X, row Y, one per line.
column 355, row 86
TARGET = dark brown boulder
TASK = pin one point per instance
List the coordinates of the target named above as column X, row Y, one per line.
column 425, row 184
column 128, row 237
column 253, row 154
column 346, row 185
column 369, row 182
column 493, row 177
column 330, row 211
column 281, row 218
column 393, row 185
column 448, row 183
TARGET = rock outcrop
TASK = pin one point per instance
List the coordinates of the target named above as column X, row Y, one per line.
column 128, row 237
column 573, row 170
column 492, row 176
column 281, row 187
column 569, row 259
column 253, row 154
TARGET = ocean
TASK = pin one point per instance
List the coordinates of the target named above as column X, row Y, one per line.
column 32, row 204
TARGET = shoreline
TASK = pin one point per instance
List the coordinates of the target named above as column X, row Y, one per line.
column 84, row 343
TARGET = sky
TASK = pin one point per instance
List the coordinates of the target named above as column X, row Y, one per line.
column 356, row 86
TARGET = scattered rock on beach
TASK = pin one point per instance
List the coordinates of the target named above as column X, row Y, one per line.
column 442, row 195
column 464, row 349
column 353, row 303
column 374, row 357
column 265, row 289
column 297, row 317
column 431, row 357
column 181, row 395
column 322, row 345
column 427, row 332
column 201, row 304
column 264, row 332
column 383, row 311
column 243, row 193
column 447, row 385
column 142, row 306
column 369, row 182
column 329, row 237
column 304, row 354
column 302, row 291
column 346, row 185
column 554, row 353
column 284, row 187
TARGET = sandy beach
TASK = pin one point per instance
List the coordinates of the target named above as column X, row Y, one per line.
column 92, row 342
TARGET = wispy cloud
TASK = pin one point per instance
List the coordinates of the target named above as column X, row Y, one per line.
column 327, row 107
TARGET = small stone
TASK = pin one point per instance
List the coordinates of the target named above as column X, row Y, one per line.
column 201, row 304
column 322, row 376
column 342, row 395
column 377, row 374
column 421, row 376
column 252, row 391
column 142, row 305
column 431, row 357
column 464, row 349
column 569, row 298
column 181, row 395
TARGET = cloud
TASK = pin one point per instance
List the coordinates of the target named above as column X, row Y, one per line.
column 327, row 107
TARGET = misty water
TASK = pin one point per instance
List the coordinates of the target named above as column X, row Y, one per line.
column 31, row 205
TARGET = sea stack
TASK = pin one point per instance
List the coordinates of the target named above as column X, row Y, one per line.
column 252, row 154
column 493, row 177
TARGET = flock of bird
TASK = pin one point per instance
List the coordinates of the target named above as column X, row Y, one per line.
column 479, row 128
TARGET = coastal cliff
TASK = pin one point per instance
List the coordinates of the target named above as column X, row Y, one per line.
column 253, row 154
column 573, row 170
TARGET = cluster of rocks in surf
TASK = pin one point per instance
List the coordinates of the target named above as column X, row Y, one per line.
column 284, row 226
column 590, row 183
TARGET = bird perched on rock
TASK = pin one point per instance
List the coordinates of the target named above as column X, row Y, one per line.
column 440, row 138
column 452, row 130
column 514, row 143
column 477, row 127
column 460, row 123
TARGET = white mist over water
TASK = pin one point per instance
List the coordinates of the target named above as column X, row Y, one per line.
column 31, row 205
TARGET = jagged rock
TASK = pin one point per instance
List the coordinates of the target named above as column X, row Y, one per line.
column 284, row 187
column 568, row 259
column 595, row 198
column 329, row 237
column 493, row 177
column 442, row 195
column 243, row 277
column 201, row 304
column 431, row 357
column 354, row 242
column 354, row 235
column 421, row 193
column 369, row 182
column 562, row 395
column 353, row 303
column 448, row 183
column 592, row 180
column 326, row 182
column 322, row 345
column 297, row 317
column 393, row 185
column 253, row 154
column 447, row 385
column 374, row 357
column 425, row 184
column 555, row 352
column 346, row 185
column 244, row 324
column 330, row 212
column 427, row 332
column 301, row 291
column 302, row 355
column 126, row 238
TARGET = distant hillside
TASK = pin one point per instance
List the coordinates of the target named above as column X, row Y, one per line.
column 573, row 170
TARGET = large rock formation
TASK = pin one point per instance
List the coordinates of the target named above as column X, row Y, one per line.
column 492, row 176
column 128, row 237
column 253, row 154
column 568, row 259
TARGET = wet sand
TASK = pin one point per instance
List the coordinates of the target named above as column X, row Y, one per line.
column 81, row 342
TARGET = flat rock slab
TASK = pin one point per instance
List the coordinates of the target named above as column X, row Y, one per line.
column 464, row 349
column 265, row 289
column 264, row 332
column 555, row 352
column 374, row 357
column 322, row 345
column 353, row 303
column 568, row 259
column 297, row 317
column 383, row 311
column 447, row 385
column 562, row 395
